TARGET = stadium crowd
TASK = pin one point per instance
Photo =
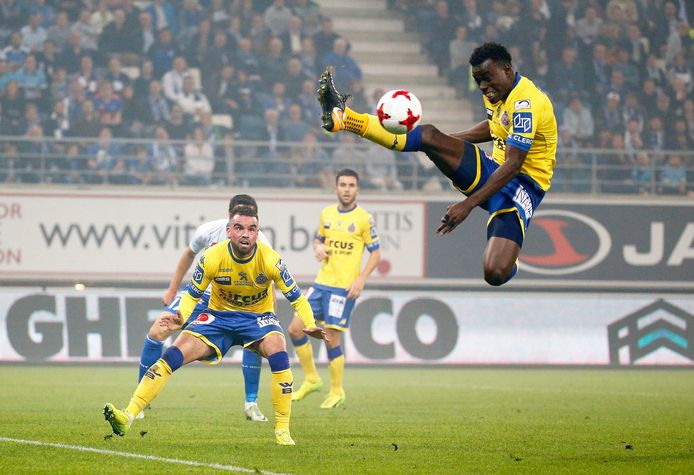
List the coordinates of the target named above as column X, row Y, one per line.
column 186, row 81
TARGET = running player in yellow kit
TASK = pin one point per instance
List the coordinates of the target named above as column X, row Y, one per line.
column 344, row 231
column 510, row 184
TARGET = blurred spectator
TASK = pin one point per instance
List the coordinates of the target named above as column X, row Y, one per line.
column 141, row 84
column 172, row 81
column 294, row 128
column 59, row 33
column 146, row 32
column 15, row 53
column 198, row 161
column 32, row 154
column 31, row 79
column 177, row 126
column 163, row 14
column 632, row 110
column 105, row 163
column 219, row 55
column 307, row 56
column 611, row 114
column 578, row 121
column 294, row 36
column 672, row 179
column 59, row 87
column 566, row 76
column 115, row 75
column 73, row 52
column 157, row 108
column 89, row 35
column 108, row 105
column 344, row 63
column 47, row 59
column 101, row 16
column 614, row 171
column 87, row 123
column 277, row 17
column 33, row 34
column 259, row 34
column 633, row 141
column 246, row 58
column 588, row 27
column 13, row 105
column 309, row 13
column 443, row 31
column 294, row 78
column 381, row 169
column 163, row 52
column 654, row 134
column 680, row 137
column 324, row 39
column 190, row 16
column 222, row 93
column 273, row 65
column 308, row 103
column 309, row 165
column 218, row 14
column 117, row 39
column 58, row 123
column 163, row 157
column 654, row 70
column 191, row 101
column 141, row 168
column 460, row 50
column 277, row 100
column 86, row 76
column 642, row 174
column 359, row 101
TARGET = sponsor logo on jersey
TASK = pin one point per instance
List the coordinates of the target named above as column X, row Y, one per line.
column 490, row 114
column 197, row 274
column 522, row 104
column 572, row 243
column 261, row 279
column 241, row 300
column 523, row 200
column 504, row 119
column 243, row 276
column 265, row 320
column 522, row 122
column 284, row 273
column 203, row 319
column 223, row 280
column 372, row 231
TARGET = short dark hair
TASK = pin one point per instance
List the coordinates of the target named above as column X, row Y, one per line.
column 243, row 200
column 493, row 51
column 244, row 210
column 346, row 172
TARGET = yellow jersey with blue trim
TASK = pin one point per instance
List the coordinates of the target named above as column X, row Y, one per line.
column 525, row 120
column 346, row 233
column 243, row 284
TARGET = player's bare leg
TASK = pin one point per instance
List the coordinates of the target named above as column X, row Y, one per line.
column 336, row 363
column 500, row 257
column 274, row 347
column 304, row 351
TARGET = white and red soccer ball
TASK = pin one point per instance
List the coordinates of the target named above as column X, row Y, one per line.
column 399, row 111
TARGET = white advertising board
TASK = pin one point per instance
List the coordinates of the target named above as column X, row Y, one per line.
column 397, row 327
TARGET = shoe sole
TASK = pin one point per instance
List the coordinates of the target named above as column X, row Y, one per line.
column 337, row 404
column 315, row 389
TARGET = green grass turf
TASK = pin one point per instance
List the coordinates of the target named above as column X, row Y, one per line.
column 396, row 420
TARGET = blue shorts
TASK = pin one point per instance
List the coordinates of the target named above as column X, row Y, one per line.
column 330, row 306
column 222, row 330
column 520, row 196
column 199, row 308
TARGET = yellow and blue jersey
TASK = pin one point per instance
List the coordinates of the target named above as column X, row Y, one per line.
column 346, row 234
column 243, row 285
column 525, row 120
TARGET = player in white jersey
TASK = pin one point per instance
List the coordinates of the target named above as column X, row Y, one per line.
column 206, row 235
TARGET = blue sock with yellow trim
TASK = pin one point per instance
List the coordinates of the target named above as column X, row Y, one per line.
column 281, row 388
column 251, row 364
column 151, row 352
column 336, row 363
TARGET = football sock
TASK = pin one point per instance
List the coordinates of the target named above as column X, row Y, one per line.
column 281, row 388
column 251, row 374
column 151, row 352
column 336, row 362
column 154, row 380
column 367, row 126
column 304, row 351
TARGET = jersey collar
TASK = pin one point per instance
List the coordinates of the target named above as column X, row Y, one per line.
column 347, row 210
column 241, row 261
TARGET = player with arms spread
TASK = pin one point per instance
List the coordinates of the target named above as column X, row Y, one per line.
column 205, row 236
column 240, row 312
column 510, row 184
column 344, row 231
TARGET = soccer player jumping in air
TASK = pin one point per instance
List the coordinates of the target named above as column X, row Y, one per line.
column 510, row 184
column 240, row 312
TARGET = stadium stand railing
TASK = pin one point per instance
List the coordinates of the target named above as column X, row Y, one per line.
column 229, row 161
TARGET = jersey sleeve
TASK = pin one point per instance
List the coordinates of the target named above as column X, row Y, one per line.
column 200, row 239
column 202, row 275
column 285, row 282
column 524, row 121
column 320, row 232
column 370, row 235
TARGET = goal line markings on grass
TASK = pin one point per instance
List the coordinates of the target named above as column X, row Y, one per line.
column 192, row 463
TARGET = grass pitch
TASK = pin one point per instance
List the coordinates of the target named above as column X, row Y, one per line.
column 395, row 420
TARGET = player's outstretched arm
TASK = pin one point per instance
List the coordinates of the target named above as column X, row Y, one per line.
column 184, row 263
column 478, row 133
column 506, row 172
